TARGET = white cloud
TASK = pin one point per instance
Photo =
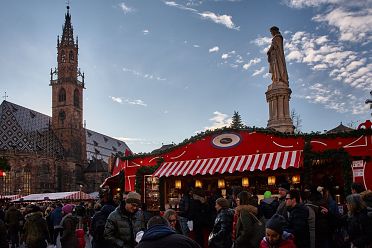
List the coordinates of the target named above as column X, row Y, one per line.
column 225, row 56
column 308, row 3
column 353, row 25
column 145, row 32
column 136, row 102
column 251, row 62
column 196, row 46
column 219, row 120
column 137, row 141
column 214, row 49
column 225, row 20
column 258, row 72
column 144, row 75
column 180, row 6
column 125, row 8
column 131, row 102
column 116, row 99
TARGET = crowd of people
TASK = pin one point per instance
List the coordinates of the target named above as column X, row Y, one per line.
column 308, row 219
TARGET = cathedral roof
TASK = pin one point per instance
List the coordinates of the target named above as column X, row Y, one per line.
column 27, row 130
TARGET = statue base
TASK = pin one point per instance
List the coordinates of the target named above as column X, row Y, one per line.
column 278, row 95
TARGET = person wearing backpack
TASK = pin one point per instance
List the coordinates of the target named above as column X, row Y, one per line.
column 98, row 226
column 268, row 205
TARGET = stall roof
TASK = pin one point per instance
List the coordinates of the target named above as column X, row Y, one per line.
column 75, row 195
column 10, row 197
column 252, row 162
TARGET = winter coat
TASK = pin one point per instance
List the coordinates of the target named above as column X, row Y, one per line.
column 35, row 231
column 359, row 228
column 121, row 228
column 284, row 243
column 268, row 207
column 298, row 225
column 68, row 237
column 98, row 226
column 250, row 229
column 56, row 217
column 3, row 235
column 160, row 236
column 12, row 218
column 220, row 236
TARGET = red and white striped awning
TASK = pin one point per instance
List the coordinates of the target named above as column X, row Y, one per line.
column 74, row 195
column 10, row 197
column 264, row 161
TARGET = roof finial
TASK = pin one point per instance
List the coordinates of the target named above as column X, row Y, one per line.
column 68, row 5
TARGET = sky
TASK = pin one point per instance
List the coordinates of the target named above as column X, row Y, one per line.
column 158, row 72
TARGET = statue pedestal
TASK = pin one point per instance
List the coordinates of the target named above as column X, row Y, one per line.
column 278, row 95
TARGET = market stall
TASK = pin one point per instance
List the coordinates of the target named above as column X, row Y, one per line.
column 254, row 158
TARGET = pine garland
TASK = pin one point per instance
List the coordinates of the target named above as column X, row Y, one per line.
column 202, row 135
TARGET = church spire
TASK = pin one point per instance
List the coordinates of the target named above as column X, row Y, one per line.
column 68, row 31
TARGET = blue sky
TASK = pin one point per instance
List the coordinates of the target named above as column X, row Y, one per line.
column 158, row 71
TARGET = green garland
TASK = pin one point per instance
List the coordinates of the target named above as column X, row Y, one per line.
column 4, row 166
column 332, row 154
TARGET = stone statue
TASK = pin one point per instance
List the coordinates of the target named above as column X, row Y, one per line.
column 275, row 57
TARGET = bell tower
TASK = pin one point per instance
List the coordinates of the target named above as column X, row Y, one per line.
column 67, row 95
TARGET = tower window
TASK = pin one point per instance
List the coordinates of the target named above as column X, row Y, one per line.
column 62, row 116
column 63, row 56
column 71, row 56
column 62, row 95
column 76, row 98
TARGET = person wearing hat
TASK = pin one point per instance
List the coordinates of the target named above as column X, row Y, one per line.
column 283, row 190
column 268, row 205
column 125, row 222
column 275, row 236
column 69, row 223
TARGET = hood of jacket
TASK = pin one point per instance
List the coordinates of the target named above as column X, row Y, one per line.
column 248, row 208
column 268, row 200
column 156, row 232
column 34, row 216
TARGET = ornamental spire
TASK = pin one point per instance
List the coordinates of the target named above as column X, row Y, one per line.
column 68, row 31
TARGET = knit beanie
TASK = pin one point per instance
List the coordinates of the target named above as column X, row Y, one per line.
column 267, row 194
column 67, row 208
column 133, row 197
column 276, row 223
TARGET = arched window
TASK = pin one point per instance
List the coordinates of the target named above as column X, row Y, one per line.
column 62, row 95
column 63, row 56
column 71, row 56
column 76, row 98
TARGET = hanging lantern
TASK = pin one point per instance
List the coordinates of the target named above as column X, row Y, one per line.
column 245, row 182
column 2, row 173
column 198, row 184
column 296, row 179
column 221, row 183
column 271, row 180
column 178, row 184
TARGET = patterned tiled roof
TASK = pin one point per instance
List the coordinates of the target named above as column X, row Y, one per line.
column 27, row 130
